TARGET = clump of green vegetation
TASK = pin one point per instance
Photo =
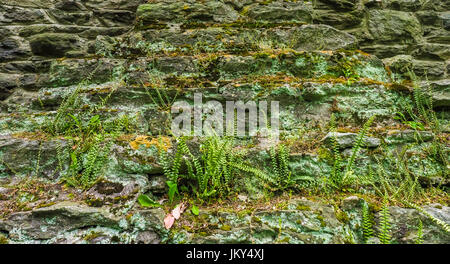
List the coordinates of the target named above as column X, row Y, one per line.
column 278, row 179
column 91, row 137
column 419, row 239
column 366, row 223
column 341, row 215
column 345, row 66
column 302, row 207
column 385, row 225
column 209, row 175
column 3, row 240
column 87, row 162
column 340, row 178
column 437, row 221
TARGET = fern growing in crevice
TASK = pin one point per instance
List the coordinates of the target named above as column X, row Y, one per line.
column 208, row 175
column 280, row 167
column 366, row 224
column 336, row 173
column 360, row 142
column 385, row 225
column 419, row 239
column 437, row 221
column 85, row 168
column 339, row 177
column 170, row 167
column 279, row 178
column 423, row 103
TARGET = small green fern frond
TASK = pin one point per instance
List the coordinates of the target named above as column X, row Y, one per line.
column 360, row 141
column 366, row 223
column 437, row 221
column 385, row 225
column 258, row 173
column 419, row 239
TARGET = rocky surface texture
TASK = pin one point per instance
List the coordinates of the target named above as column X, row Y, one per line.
column 86, row 86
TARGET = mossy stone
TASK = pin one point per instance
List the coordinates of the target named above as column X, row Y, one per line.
column 53, row 44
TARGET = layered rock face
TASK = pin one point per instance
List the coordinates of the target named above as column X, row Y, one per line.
column 82, row 81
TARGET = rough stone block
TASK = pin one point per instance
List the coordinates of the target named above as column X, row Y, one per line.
column 54, row 44
column 388, row 26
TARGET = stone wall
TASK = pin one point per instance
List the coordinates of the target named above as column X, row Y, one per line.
column 64, row 63
column 406, row 34
column 33, row 33
column 389, row 28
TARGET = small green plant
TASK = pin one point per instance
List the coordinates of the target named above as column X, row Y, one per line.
column 421, row 112
column 279, row 177
column 146, row 201
column 419, row 239
column 280, row 167
column 336, row 173
column 366, row 224
column 437, row 221
column 195, row 210
column 416, row 125
column 211, row 173
column 87, row 162
column 385, row 225
column 60, row 123
column 341, row 178
column 360, row 142
column 393, row 177
column 157, row 93
column 208, row 175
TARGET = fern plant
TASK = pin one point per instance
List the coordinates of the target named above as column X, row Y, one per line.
column 366, row 223
column 208, row 175
column 339, row 177
column 336, row 173
column 359, row 143
column 419, row 239
column 280, row 167
column 385, row 225
column 394, row 178
column 279, row 178
column 212, row 172
column 85, row 168
column 437, row 221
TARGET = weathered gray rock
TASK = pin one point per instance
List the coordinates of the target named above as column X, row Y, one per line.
column 45, row 223
column 436, row 5
column 54, row 45
column 18, row 15
column 405, row 224
column 387, row 50
column 74, row 18
column 279, row 11
column 404, row 5
column 408, row 136
column 179, row 12
column 431, row 69
column 431, row 51
column 72, row 71
column 307, row 222
column 388, row 26
column 322, row 37
column 21, row 156
column 342, row 4
column 130, row 5
column 13, row 48
column 347, row 140
column 339, row 20
column 440, row 90
column 399, row 63
column 8, row 82
column 74, row 222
